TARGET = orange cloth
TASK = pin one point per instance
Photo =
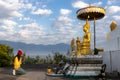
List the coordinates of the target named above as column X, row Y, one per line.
column 49, row 70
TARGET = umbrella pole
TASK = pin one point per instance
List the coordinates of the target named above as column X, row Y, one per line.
column 94, row 34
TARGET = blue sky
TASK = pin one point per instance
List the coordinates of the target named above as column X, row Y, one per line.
column 52, row 21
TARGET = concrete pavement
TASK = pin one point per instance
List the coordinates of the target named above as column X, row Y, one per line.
column 33, row 75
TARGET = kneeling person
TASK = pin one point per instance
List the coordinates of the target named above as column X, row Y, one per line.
column 17, row 64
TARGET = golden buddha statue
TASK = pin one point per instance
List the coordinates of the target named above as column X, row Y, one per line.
column 78, row 46
column 86, row 39
column 73, row 46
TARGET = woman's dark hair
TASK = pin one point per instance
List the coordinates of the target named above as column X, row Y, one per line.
column 18, row 56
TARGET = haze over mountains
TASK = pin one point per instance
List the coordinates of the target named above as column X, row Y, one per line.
column 33, row 50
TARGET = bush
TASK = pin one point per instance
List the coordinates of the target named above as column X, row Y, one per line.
column 6, row 55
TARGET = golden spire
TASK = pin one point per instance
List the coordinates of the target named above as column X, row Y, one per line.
column 113, row 26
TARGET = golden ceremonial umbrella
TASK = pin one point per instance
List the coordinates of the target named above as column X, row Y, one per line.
column 91, row 13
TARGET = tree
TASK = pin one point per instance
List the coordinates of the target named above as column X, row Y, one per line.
column 6, row 55
column 29, row 60
column 38, row 60
column 57, row 57
column 49, row 59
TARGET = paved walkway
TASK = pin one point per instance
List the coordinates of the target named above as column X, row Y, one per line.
column 33, row 75
column 6, row 74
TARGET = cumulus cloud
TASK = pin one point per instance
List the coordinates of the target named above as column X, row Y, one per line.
column 65, row 11
column 110, row 2
column 114, row 9
column 63, row 27
column 29, row 30
column 9, row 10
column 79, row 4
column 42, row 12
column 28, row 33
column 64, row 19
column 117, row 18
column 97, row 4
column 18, row 21
column 7, row 30
column 8, row 22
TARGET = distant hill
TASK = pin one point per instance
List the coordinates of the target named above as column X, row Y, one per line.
column 33, row 50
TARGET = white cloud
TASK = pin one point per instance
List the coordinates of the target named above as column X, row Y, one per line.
column 6, row 32
column 9, row 10
column 28, row 33
column 110, row 2
column 27, row 19
column 97, row 4
column 65, row 19
column 63, row 28
column 16, row 14
column 79, row 4
column 44, row 6
column 42, row 12
column 114, row 9
column 65, row 11
column 29, row 6
column 8, row 22
column 11, row 1
column 33, row 28
column 17, row 21
column 117, row 18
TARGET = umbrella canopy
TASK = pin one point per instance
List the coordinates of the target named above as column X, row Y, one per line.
column 91, row 13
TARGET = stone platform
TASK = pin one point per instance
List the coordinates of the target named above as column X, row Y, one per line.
column 85, row 66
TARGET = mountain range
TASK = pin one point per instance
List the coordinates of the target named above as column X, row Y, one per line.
column 33, row 50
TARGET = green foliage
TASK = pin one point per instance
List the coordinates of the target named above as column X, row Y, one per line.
column 39, row 60
column 29, row 60
column 58, row 57
column 49, row 59
column 55, row 59
column 6, row 55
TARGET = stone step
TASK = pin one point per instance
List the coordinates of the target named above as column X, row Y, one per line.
column 89, row 65
column 87, row 61
column 87, row 56
column 85, row 68
column 84, row 73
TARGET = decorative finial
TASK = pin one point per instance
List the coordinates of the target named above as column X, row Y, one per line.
column 88, row 16
column 113, row 26
column 89, row 4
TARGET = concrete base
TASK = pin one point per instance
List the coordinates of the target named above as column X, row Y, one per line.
column 87, row 65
